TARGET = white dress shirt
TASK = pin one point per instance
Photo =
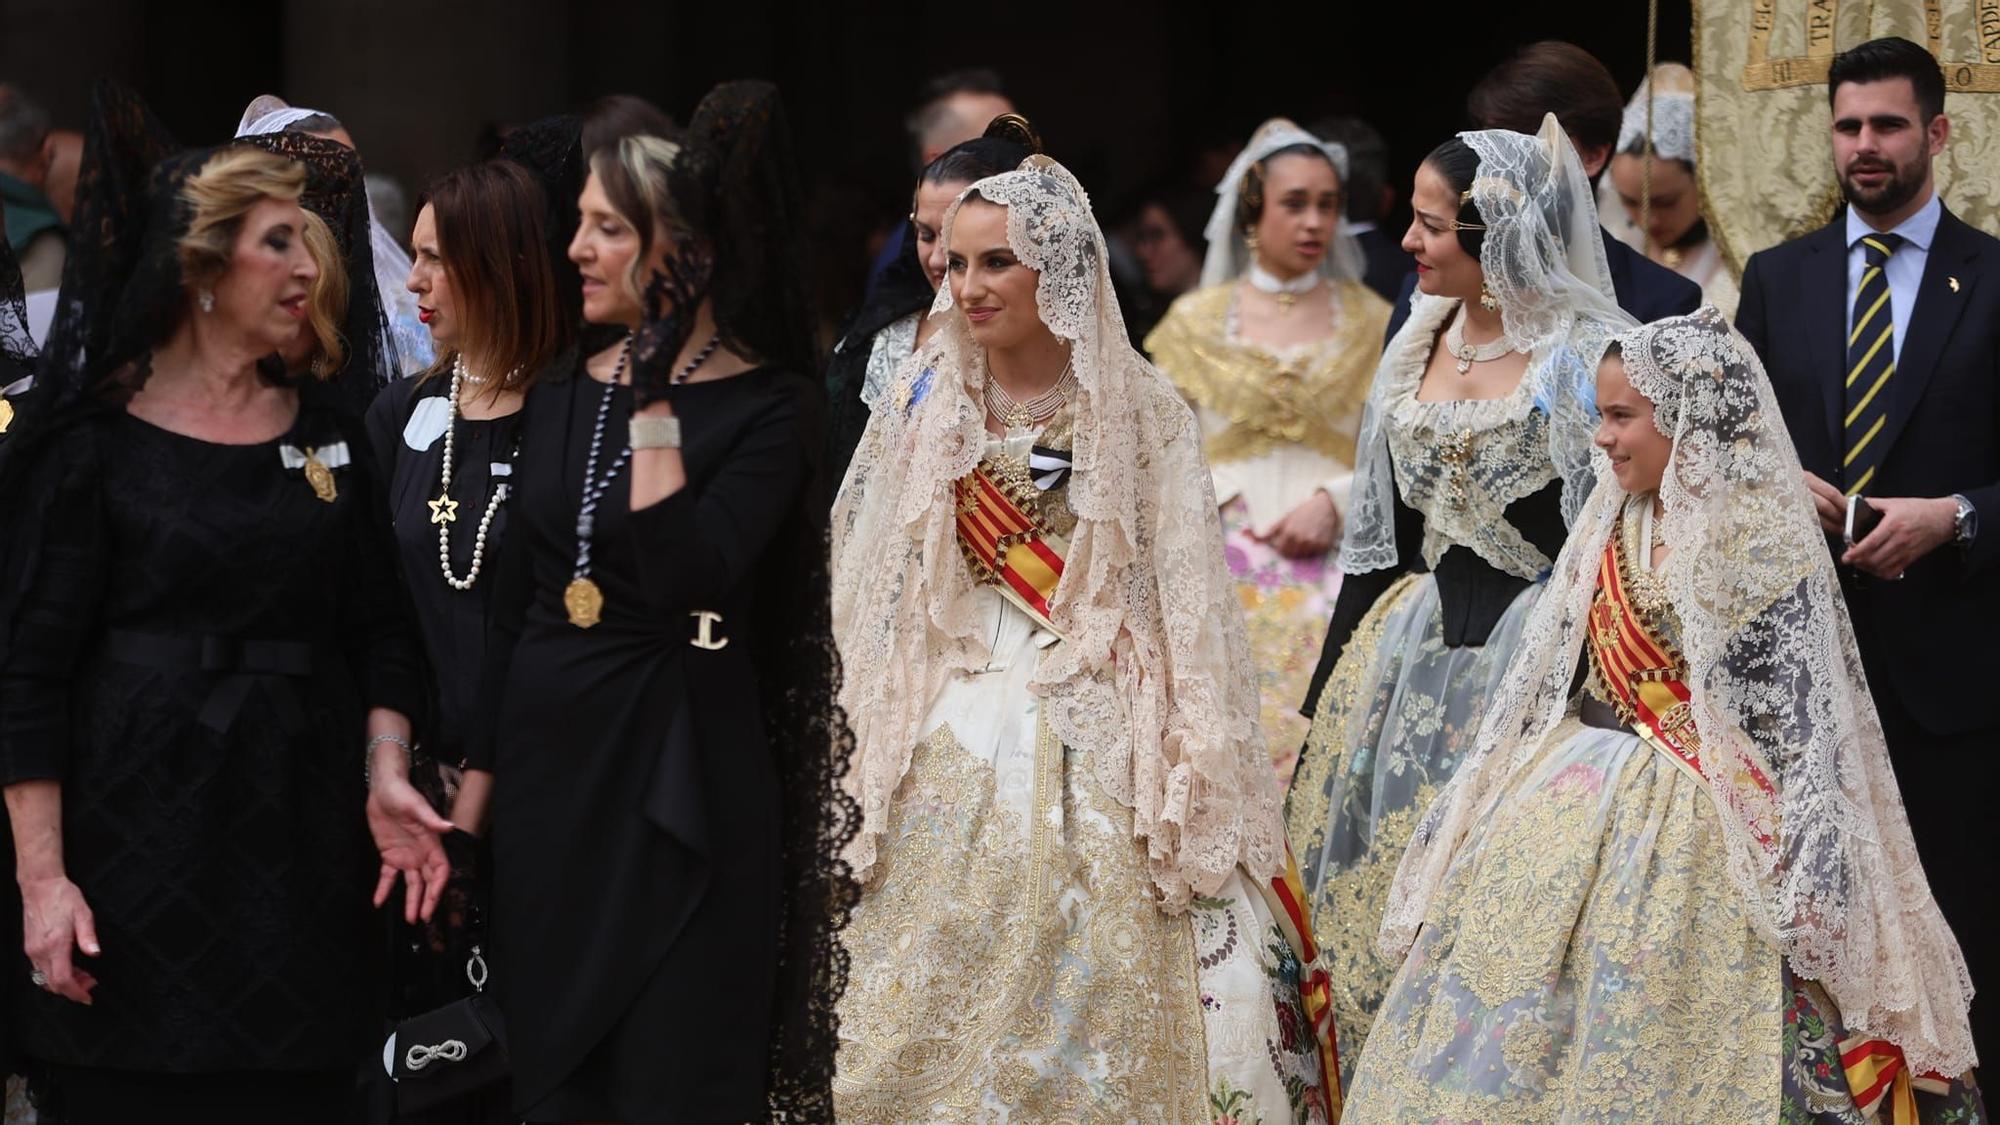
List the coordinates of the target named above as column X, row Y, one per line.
column 1904, row 270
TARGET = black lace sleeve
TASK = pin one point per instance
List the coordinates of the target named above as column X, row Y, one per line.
column 60, row 583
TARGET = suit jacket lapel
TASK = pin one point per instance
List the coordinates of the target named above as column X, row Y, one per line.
column 1824, row 291
column 1932, row 319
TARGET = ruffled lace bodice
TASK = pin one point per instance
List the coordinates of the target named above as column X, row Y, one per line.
column 1462, row 462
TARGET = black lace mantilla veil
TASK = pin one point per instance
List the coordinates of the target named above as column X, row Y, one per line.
column 737, row 187
column 121, row 290
column 552, row 150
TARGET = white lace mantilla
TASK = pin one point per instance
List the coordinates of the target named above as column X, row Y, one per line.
column 886, row 352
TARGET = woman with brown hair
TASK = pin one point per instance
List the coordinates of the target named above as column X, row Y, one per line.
column 198, row 638
column 445, row 442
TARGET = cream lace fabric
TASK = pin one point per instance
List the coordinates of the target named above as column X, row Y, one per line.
column 1824, row 861
column 1228, row 253
column 1543, row 259
column 1462, row 462
column 1152, row 680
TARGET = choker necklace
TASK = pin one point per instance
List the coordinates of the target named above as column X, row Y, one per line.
column 583, row 598
column 1015, row 415
column 444, row 510
column 1469, row 354
column 1287, row 292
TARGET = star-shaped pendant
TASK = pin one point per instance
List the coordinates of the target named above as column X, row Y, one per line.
column 444, row 510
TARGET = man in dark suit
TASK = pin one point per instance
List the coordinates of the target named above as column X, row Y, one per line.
column 1881, row 334
column 1568, row 81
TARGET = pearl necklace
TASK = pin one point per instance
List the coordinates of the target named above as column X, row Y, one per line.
column 444, row 510
column 1468, row 354
column 1025, row 415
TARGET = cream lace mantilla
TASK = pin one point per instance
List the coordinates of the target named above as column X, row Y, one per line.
column 1774, row 676
column 1152, row 681
column 1543, row 258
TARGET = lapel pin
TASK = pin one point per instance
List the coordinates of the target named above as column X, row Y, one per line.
column 1954, row 283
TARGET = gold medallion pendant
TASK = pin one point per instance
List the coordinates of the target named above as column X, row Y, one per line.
column 320, row 477
column 584, row 601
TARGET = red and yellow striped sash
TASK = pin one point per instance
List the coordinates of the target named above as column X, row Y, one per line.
column 1879, row 1078
column 1003, row 543
column 1646, row 679
column 1285, row 895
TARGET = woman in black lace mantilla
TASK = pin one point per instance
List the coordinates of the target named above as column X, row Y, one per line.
column 201, row 633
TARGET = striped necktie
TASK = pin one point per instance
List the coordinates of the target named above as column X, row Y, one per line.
column 1871, row 360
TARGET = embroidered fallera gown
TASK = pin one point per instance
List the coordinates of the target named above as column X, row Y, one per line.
column 1277, row 425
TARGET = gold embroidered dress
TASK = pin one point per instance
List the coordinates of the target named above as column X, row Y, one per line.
column 1588, row 958
column 1069, row 826
column 1687, row 892
column 1277, row 425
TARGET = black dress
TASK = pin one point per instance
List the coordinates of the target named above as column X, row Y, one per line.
column 198, row 640
column 636, row 817
column 406, row 433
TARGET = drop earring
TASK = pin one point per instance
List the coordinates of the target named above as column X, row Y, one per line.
column 1251, row 240
column 206, row 300
column 1487, row 300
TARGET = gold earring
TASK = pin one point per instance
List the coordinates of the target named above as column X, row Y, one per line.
column 1250, row 239
column 1487, row 300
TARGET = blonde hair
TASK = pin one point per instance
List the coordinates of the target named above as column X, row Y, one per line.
column 633, row 174
column 326, row 301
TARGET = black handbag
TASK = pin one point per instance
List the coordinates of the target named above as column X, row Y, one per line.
column 449, row 1052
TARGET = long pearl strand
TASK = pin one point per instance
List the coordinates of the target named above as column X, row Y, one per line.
column 459, row 376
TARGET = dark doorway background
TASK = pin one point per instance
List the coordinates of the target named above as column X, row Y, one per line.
column 1123, row 93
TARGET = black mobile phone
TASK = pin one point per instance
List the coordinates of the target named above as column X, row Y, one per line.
column 1861, row 519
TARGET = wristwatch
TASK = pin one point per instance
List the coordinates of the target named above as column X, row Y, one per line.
column 1965, row 525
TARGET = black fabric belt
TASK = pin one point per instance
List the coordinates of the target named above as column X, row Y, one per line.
column 1594, row 712
column 241, row 665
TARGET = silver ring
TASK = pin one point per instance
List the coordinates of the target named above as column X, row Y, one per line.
column 39, row 979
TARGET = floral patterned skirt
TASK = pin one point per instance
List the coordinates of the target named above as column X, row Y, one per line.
column 1286, row 605
column 1588, row 959
column 1397, row 714
column 1009, row 963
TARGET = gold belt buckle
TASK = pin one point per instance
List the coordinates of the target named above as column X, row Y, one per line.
column 705, row 622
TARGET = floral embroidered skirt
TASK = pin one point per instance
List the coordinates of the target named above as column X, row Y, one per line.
column 1396, row 716
column 1009, row 963
column 1588, row 959
column 1286, row 605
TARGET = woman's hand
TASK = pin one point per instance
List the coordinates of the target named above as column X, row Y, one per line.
column 407, row 833
column 1307, row 530
column 54, row 921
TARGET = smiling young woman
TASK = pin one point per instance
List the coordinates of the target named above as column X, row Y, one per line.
column 1474, row 448
column 1044, row 655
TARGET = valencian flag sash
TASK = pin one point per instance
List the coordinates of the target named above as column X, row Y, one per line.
column 1285, row 895
column 1646, row 679
column 1880, row 1079
column 1003, row 542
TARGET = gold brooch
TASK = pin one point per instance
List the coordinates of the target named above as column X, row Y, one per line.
column 320, row 477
